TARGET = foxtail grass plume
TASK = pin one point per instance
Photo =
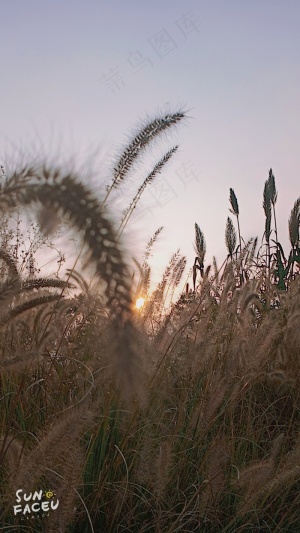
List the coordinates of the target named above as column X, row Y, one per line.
column 200, row 244
column 53, row 189
column 230, row 236
column 294, row 223
column 267, row 210
column 149, row 179
column 138, row 143
column 234, row 203
column 150, row 244
column 273, row 196
column 272, row 187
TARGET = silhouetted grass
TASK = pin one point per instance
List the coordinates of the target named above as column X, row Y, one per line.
column 159, row 420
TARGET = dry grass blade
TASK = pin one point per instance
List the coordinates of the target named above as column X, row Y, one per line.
column 11, row 451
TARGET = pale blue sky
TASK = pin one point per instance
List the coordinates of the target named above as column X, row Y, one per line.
column 234, row 65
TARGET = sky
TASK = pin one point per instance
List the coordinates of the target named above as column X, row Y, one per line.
column 79, row 77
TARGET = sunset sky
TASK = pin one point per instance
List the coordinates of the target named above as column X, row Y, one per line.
column 78, row 76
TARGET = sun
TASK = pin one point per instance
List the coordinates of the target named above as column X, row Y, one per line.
column 140, row 302
column 49, row 494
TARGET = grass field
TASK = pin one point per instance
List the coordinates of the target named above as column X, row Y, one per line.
column 180, row 416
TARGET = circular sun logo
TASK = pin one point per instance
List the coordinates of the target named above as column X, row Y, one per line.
column 49, row 494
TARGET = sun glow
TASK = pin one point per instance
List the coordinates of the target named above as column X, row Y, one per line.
column 140, row 302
